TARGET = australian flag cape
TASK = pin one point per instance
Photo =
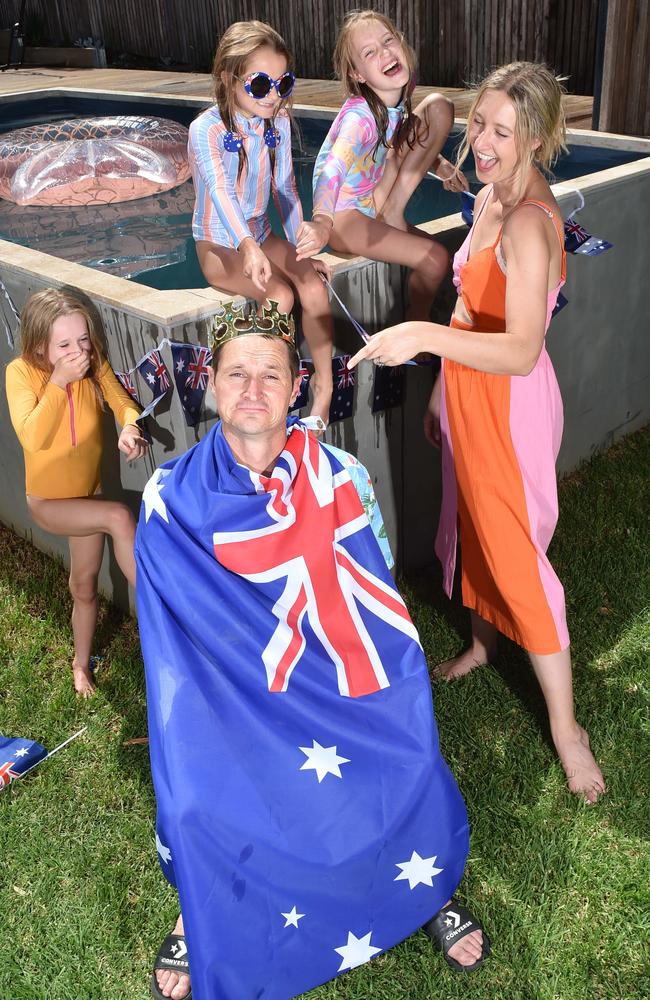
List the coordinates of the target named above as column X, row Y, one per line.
column 305, row 813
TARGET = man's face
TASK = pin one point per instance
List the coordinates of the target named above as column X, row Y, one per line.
column 253, row 387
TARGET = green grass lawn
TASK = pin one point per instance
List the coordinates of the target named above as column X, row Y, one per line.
column 562, row 888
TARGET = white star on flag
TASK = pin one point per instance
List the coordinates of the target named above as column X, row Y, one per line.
column 322, row 760
column 292, row 918
column 150, row 378
column 356, row 952
column 180, row 365
column 163, row 851
column 418, row 870
column 23, row 752
column 151, row 497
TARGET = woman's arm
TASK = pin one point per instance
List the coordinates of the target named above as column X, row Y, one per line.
column 526, row 251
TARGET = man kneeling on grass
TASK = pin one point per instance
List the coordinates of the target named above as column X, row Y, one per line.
column 304, row 811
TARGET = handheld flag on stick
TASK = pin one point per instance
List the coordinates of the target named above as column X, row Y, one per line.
column 20, row 756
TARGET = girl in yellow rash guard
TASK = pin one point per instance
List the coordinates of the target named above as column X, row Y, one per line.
column 56, row 391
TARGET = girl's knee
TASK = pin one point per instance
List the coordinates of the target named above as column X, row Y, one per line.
column 438, row 111
column 435, row 264
column 121, row 522
column 83, row 587
column 281, row 293
column 313, row 295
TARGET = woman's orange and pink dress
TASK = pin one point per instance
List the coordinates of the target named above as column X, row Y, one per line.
column 500, row 439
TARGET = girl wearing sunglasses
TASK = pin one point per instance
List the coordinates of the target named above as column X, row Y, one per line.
column 240, row 152
column 376, row 153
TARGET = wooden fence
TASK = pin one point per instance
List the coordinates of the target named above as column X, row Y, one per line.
column 455, row 40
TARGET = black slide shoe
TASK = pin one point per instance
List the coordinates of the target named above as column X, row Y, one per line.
column 450, row 925
column 172, row 957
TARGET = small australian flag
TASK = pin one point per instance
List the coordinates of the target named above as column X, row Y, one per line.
column 127, row 383
column 562, row 301
column 305, row 371
column 191, row 370
column 154, row 372
column 18, row 755
column 388, row 387
column 343, row 394
column 578, row 240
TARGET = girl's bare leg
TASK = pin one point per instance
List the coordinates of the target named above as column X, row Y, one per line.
column 85, row 559
column 86, row 521
column 404, row 171
column 316, row 317
column 222, row 268
column 584, row 777
column 83, row 516
column 354, row 232
column 481, row 651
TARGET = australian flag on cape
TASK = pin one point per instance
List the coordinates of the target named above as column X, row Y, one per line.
column 18, row 755
column 304, row 810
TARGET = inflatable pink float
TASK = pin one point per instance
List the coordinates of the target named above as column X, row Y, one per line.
column 90, row 161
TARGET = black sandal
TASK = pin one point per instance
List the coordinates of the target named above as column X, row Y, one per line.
column 448, row 927
column 171, row 957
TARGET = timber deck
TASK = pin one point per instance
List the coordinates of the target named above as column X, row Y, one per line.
column 309, row 93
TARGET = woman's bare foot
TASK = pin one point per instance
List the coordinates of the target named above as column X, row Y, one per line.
column 174, row 984
column 584, row 777
column 82, row 676
column 477, row 655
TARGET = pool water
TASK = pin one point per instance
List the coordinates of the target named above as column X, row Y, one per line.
column 150, row 240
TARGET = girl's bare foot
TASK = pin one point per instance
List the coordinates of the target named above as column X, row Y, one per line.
column 82, row 676
column 321, row 399
column 174, row 984
column 584, row 777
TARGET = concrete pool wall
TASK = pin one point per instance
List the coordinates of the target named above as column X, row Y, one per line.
column 599, row 344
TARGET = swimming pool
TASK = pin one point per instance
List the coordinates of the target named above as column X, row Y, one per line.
column 600, row 344
column 150, row 240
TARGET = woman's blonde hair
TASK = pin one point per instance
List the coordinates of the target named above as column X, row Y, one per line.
column 236, row 46
column 345, row 69
column 540, row 129
column 41, row 310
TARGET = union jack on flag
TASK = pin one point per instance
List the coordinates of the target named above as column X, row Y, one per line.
column 18, row 755
column 578, row 240
column 326, row 590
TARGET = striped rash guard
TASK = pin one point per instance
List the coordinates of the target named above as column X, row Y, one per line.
column 227, row 209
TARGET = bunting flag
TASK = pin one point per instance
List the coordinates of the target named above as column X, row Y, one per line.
column 467, row 200
column 127, row 382
column 191, row 369
column 18, row 755
column 306, row 371
column 388, row 387
column 154, row 372
column 578, row 240
column 343, row 395
column 562, row 301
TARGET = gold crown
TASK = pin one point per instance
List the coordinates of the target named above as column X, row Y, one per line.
column 233, row 322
